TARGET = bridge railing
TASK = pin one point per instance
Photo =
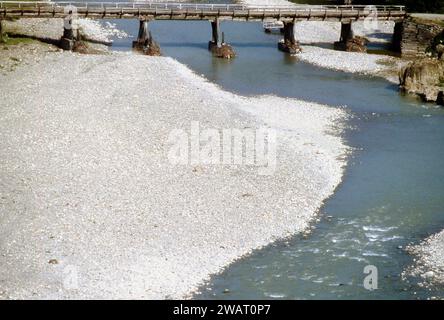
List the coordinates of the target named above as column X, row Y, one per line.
column 195, row 6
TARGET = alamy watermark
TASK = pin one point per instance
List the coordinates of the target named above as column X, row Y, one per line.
column 371, row 20
column 71, row 277
column 228, row 147
column 371, row 280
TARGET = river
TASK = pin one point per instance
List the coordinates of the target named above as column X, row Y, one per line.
column 392, row 194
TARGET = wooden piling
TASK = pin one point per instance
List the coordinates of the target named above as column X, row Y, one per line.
column 68, row 33
column 67, row 40
column 143, row 36
column 214, row 34
column 397, row 36
column 348, row 42
column 289, row 33
column 219, row 49
column 289, row 43
column 145, row 43
column 346, row 32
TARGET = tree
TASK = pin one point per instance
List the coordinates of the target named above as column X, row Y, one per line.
column 431, row 6
column 425, row 5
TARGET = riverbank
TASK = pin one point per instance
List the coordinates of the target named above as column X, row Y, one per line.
column 51, row 30
column 317, row 42
column 317, row 38
column 429, row 262
column 91, row 206
column 29, row 40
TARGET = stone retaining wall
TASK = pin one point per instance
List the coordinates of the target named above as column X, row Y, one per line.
column 418, row 36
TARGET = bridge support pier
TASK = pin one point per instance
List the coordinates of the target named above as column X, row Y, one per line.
column 214, row 34
column 142, row 37
column 397, row 37
column 67, row 41
column 346, row 32
column 289, row 44
column 145, row 42
column 348, row 42
column 346, row 36
column 222, row 50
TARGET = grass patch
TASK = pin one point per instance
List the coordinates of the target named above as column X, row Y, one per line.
column 386, row 62
column 14, row 41
column 429, row 22
column 384, row 52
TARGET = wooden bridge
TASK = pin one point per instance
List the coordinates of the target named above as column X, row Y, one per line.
column 150, row 10
column 197, row 11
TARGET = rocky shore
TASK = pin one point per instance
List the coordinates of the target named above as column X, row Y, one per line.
column 429, row 263
column 424, row 77
column 52, row 29
column 317, row 39
column 317, row 42
column 92, row 207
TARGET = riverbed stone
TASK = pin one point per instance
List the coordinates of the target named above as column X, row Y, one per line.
column 429, row 275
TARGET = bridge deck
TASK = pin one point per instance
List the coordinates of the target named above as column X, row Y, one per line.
column 196, row 11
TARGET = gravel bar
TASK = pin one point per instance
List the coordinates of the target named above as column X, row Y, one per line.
column 429, row 262
column 90, row 205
